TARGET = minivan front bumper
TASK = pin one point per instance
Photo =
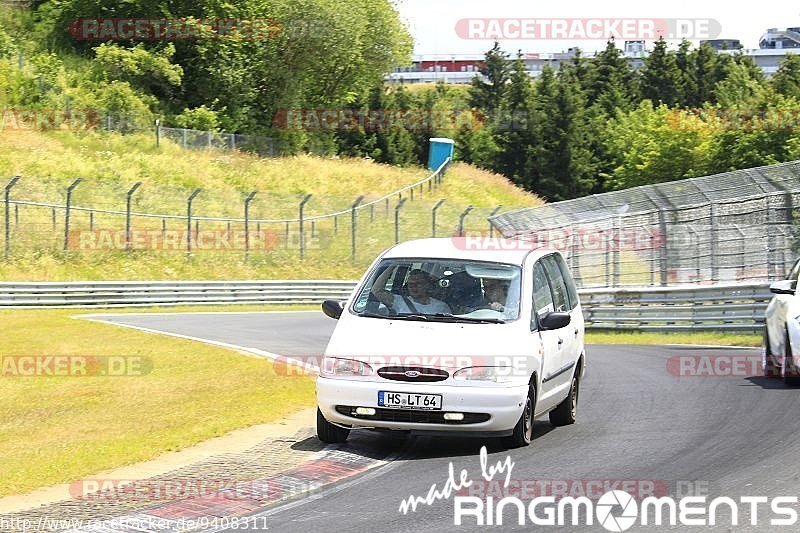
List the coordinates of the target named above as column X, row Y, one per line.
column 503, row 405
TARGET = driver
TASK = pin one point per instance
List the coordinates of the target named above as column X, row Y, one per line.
column 419, row 299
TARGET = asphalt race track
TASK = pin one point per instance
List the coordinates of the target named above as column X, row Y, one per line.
column 639, row 425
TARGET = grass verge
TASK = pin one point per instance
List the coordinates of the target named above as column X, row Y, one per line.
column 708, row 338
column 57, row 429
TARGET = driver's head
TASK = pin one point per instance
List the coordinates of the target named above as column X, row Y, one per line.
column 419, row 283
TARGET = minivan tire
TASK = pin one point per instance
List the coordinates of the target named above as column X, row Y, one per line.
column 330, row 433
column 523, row 431
column 566, row 412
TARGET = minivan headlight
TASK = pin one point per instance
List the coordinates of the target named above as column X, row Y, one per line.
column 337, row 366
column 496, row 374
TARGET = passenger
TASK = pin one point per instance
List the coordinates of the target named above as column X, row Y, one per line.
column 495, row 294
column 419, row 299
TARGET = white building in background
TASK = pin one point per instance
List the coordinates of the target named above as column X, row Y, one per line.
column 775, row 45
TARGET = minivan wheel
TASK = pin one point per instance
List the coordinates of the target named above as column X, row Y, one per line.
column 567, row 411
column 771, row 369
column 790, row 376
column 523, row 431
column 328, row 432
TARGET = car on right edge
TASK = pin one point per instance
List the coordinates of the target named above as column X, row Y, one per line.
column 782, row 330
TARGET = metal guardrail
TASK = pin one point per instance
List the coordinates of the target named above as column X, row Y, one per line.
column 697, row 308
column 700, row 307
column 168, row 293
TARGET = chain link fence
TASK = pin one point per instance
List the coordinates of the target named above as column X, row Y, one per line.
column 94, row 218
column 726, row 228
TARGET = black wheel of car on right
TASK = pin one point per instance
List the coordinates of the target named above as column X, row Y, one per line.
column 790, row 373
column 771, row 368
column 328, row 432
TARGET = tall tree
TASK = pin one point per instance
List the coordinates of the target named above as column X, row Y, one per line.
column 488, row 95
column 514, row 131
column 660, row 76
column 706, row 76
column 612, row 81
column 563, row 167
column 687, row 80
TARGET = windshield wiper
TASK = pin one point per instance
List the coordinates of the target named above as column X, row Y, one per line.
column 393, row 317
column 451, row 317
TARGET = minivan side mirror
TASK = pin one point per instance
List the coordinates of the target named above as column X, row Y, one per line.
column 785, row 286
column 555, row 321
column 332, row 308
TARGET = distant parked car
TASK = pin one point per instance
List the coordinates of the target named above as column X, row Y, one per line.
column 782, row 330
column 442, row 340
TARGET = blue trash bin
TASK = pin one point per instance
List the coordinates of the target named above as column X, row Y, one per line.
column 441, row 148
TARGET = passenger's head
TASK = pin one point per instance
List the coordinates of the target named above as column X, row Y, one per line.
column 496, row 289
column 420, row 284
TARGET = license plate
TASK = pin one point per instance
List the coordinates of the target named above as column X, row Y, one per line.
column 410, row 400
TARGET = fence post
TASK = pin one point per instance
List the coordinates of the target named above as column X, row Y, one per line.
column 128, row 215
column 433, row 216
column 461, row 218
column 491, row 227
column 91, row 220
column 7, row 194
column 246, row 225
column 158, row 133
column 183, row 138
column 189, row 219
column 163, row 229
column 353, row 226
column 66, row 211
column 664, row 252
column 54, row 219
column 302, row 240
column 397, row 220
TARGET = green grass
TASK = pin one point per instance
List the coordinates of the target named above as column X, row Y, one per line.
column 110, row 164
column 709, row 338
column 57, row 429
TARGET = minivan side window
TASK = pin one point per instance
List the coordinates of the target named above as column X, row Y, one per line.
column 572, row 292
column 542, row 297
column 560, row 298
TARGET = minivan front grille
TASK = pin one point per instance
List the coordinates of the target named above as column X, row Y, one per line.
column 413, row 374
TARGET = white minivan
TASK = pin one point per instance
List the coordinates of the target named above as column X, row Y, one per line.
column 454, row 336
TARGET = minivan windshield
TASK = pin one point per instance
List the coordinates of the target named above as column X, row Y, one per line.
column 445, row 290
